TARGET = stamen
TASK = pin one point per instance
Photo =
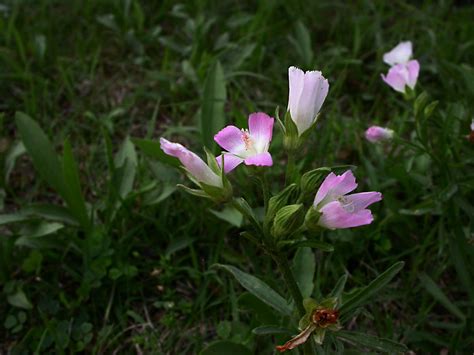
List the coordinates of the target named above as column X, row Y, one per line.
column 247, row 139
column 346, row 204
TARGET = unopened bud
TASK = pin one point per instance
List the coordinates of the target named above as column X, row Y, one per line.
column 287, row 221
column 312, row 218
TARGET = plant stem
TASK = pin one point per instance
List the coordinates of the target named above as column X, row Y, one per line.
column 290, row 168
column 290, row 281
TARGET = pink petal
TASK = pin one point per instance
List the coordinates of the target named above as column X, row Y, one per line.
column 361, row 200
column 396, row 78
column 376, row 134
column 230, row 162
column 193, row 163
column 334, row 186
column 334, row 216
column 314, row 93
column 400, row 54
column 296, row 83
column 230, row 138
column 413, row 70
column 262, row 159
column 261, row 129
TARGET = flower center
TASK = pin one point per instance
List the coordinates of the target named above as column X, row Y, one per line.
column 247, row 139
column 346, row 204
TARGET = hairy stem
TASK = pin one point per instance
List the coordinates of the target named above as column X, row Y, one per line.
column 290, row 168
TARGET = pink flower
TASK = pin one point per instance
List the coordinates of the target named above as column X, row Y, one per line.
column 339, row 210
column 401, row 54
column 377, row 134
column 193, row 164
column 307, row 93
column 248, row 146
column 401, row 75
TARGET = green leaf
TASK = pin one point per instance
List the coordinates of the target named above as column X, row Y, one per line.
column 230, row 215
column 439, row 295
column 225, row 347
column 271, row 330
column 374, row 343
column 151, row 148
column 365, row 294
column 212, row 117
column 42, row 153
column 311, row 243
column 50, row 212
column 13, row 153
column 13, row 218
column 19, row 299
column 126, row 163
column 259, row 289
column 304, row 266
column 74, row 197
column 339, row 287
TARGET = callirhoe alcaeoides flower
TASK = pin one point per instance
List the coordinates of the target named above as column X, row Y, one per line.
column 307, row 92
column 403, row 72
column 335, row 208
column 193, row 164
column 249, row 146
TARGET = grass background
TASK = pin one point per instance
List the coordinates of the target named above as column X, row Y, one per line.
column 97, row 72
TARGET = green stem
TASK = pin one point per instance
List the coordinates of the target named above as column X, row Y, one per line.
column 265, row 190
column 290, row 281
column 290, row 168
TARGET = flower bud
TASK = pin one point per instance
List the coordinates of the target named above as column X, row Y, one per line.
column 311, row 180
column 287, row 221
column 312, row 218
column 377, row 134
column 278, row 201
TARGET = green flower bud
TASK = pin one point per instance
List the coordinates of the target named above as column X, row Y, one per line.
column 278, row 201
column 311, row 219
column 420, row 103
column 287, row 221
column 312, row 179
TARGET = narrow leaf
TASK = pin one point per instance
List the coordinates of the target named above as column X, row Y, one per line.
column 365, row 294
column 259, row 289
column 304, row 266
column 439, row 295
column 371, row 342
column 212, row 109
column 74, row 197
column 42, row 153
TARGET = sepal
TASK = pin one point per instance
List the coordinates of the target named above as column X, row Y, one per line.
column 287, row 221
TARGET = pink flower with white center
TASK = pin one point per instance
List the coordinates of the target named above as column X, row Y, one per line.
column 377, row 134
column 402, row 75
column 401, row 54
column 307, row 93
column 193, row 164
column 340, row 210
column 248, row 146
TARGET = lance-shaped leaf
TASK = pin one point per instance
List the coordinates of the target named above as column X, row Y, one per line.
column 365, row 294
column 259, row 289
column 368, row 341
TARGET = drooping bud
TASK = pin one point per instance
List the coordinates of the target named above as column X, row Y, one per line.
column 287, row 221
column 377, row 134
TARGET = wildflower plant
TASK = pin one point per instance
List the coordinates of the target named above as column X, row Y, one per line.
column 293, row 218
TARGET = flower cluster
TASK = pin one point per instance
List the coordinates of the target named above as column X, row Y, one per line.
column 332, row 207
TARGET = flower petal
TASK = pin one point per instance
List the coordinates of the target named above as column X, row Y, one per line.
column 334, row 186
column 396, row 78
column 314, row 93
column 231, row 161
column 262, row 159
column 334, row 216
column 261, row 129
column 400, row 54
column 296, row 84
column 193, row 163
column 230, row 138
column 413, row 68
column 361, row 200
column 376, row 134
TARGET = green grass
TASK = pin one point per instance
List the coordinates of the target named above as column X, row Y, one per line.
column 97, row 72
